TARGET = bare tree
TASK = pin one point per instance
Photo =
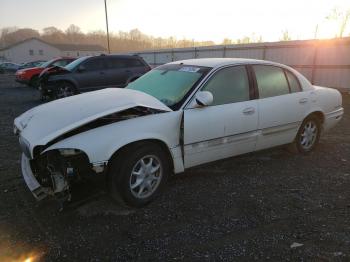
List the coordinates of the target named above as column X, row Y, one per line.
column 341, row 17
column 121, row 41
column 74, row 34
column 285, row 36
column 227, row 41
column 13, row 35
column 53, row 35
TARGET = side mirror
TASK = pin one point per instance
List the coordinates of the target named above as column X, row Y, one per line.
column 204, row 98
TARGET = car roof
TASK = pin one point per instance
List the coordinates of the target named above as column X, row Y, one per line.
column 121, row 56
column 218, row 62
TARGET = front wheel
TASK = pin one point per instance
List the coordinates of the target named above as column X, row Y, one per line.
column 308, row 135
column 65, row 89
column 139, row 174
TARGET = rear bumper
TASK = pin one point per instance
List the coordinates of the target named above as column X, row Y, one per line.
column 332, row 118
column 37, row 190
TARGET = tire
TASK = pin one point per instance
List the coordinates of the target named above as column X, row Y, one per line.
column 34, row 81
column 128, row 175
column 65, row 89
column 308, row 135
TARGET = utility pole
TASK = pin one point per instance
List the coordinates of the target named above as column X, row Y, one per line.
column 109, row 50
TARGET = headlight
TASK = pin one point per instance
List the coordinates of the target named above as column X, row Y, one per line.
column 69, row 151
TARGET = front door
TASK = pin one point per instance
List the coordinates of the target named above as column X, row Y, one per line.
column 228, row 126
column 93, row 74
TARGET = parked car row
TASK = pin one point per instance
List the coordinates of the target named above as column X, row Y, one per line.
column 31, row 64
column 65, row 76
column 91, row 73
column 30, row 76
column 179, row 115
column 7, row 67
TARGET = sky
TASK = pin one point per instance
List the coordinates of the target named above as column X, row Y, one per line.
column 191, row 19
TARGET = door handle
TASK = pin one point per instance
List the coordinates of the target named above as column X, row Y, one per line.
column 303, row 101
column 249, row 111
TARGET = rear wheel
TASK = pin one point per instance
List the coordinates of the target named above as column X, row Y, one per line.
column 139, row 174
column 308, row 135
column 65, row 89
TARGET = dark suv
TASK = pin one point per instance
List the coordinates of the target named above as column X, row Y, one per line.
column 91, row 73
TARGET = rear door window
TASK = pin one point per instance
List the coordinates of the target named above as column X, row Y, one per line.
column 271, row 81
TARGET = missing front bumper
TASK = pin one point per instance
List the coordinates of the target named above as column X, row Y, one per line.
column 37, row 190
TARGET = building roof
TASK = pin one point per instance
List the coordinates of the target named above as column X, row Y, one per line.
column 62, row 47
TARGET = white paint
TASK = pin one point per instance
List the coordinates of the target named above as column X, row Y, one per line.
column 210, row 133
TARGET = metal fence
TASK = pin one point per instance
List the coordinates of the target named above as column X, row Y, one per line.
column 323, row 62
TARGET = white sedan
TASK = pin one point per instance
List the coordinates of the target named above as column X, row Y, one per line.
column 177, row 116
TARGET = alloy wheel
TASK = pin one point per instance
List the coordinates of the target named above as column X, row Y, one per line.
column 308, row 135
column 146, row 176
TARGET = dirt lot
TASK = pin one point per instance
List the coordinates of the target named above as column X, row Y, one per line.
column 252, row 207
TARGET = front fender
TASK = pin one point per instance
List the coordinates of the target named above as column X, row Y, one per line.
column 101, row 143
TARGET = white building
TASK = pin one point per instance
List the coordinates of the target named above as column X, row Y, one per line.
column 36, row 49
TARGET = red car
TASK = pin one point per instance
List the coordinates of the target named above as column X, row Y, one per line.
column 30, row 76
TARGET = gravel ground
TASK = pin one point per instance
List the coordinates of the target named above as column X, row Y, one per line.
column 269, row 205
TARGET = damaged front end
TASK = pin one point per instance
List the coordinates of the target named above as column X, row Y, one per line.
column 54, row 172
column 50, row 81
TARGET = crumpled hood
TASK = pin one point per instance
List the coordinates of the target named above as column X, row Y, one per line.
column 44, row 123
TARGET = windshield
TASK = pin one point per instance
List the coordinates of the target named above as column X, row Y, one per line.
column 75, row 63
column 46, row 64
column 170, row 83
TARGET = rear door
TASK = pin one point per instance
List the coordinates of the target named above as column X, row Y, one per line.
column 116, row 73
column 121, row 70
column 91, row 74
column 282, row 105
column 226, row 128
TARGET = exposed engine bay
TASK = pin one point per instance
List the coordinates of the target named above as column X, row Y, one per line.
column 56, row 173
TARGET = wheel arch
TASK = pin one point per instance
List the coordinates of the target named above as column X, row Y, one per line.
column 317, row 113
column 122, row 150
column 71, row 82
